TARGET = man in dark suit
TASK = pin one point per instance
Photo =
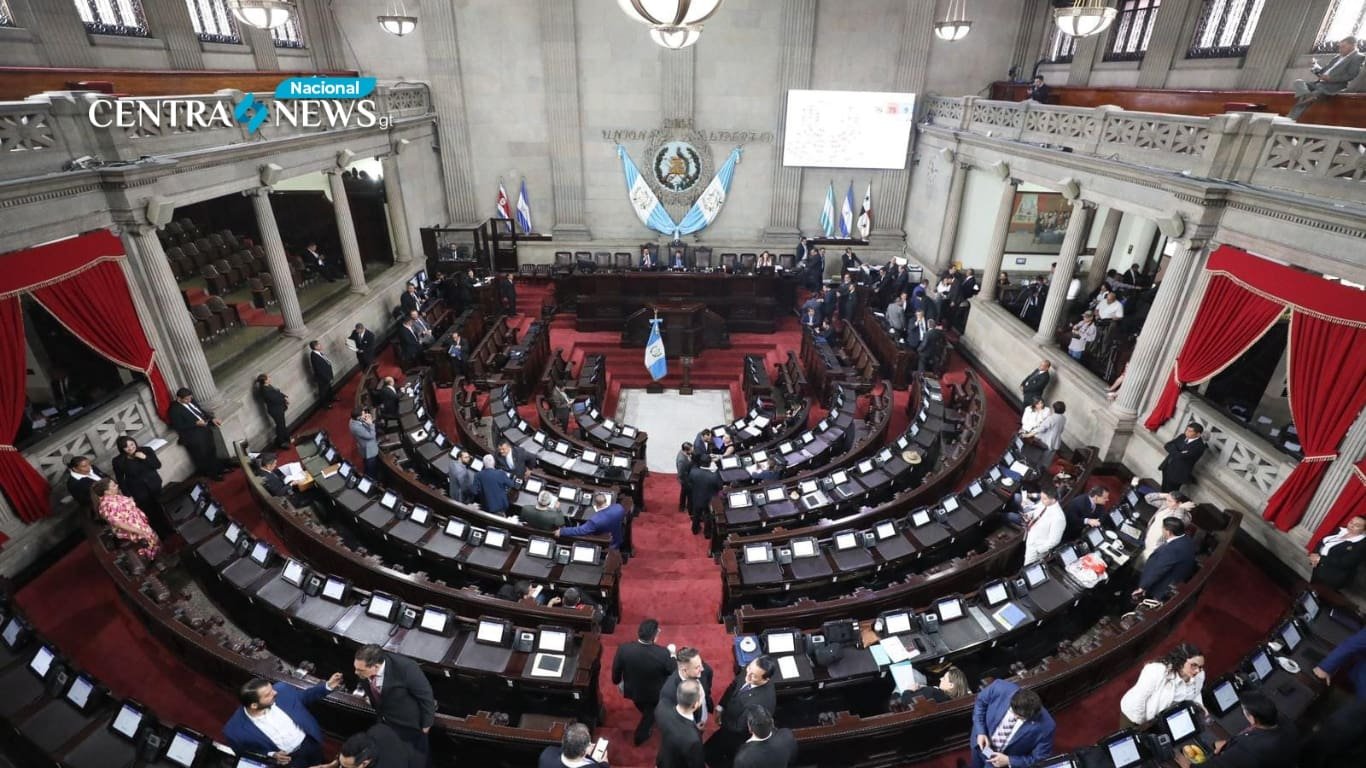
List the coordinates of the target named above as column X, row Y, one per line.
column 511, row 459
column 274, row 721
column 1039, row 90
column 1171, row 563
column 379, row 746
column 320, row 264
column 409, row 346
column 1338, row 556
column 1264, row 743
column 689, row 666
column 703, row 485
column 916, row 327
column 573, row 750
column 266, row 469
column 1182, row 453
column 1033, row 386
column 399, row 692
column 848, row 298
column 682, row 467
column 606, row 518
column 768, row 747
column 321, row 368
column 1011, row 722
column 386, row 397
column 1085, row 511
column 680, row 745
column 507, row 294
column 753, row 689
column 648, row 260
column 196, row 426
column 410, row 301
column 678, row 260
column 365, row 345
column 1347, row 659
column 930, row 349
column 830, row 301
column 640, row 669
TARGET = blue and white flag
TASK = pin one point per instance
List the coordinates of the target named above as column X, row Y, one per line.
column 847, row 213
column 643, row 201
column 708, row 206
column 865, row 216
column 524, row 210
column 828, row 211
column 655, row 361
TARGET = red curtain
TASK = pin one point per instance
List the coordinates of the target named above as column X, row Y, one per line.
column 1351, row 502
column 1327, row 390
column 26, row 489
column 1230, row 320
column 96, row 307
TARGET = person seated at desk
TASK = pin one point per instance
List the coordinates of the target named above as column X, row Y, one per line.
column 764, row 471
column 648, row 259
column 572, row 752
column 266, row 469
column 410, row 301
column 765, row 261
column 953, row 684
column 1336, row 559
column 813, row 305
column 122, row 514
column 811, row 317
column 677, row 260
column 546, row 515
column 274, row 721
column 606, row 518
column 420, row 327
column 1349, row 655
column 1171, row 563
column 1176, row 677
column 752, row 689
column 827, row 333
column 81, row 476
column 727, row 445
column 1011, row 722
column 1265, row 743
column 494, row 485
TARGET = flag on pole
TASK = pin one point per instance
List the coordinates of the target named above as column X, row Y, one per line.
column 524, row 210
column 643, row 201
column 708, row 205
column 504, row 208
column 865, row 216
column 655, row 361
column 847, row 213
column 828, row 212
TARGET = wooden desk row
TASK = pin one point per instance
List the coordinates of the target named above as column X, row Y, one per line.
column 487, row 358
column 898, row 360
column 749, row 303
column 526, row 361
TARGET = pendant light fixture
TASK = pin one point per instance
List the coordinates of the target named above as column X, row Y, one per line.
column 955, row 25
column 673, row 24
column 1084, row 18
column 397, row 22
column 263, row 14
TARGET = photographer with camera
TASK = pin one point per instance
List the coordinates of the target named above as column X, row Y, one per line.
column 367, row 439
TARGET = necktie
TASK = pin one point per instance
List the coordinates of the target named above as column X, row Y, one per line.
column 374, row 689
column 745, row 687
column 1004, row 731
column 198, row 414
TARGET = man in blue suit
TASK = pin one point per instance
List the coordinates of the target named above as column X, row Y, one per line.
column 1171, row 563
column 1349, row 658
column 494, row 485
column 274, row 721
column 607, row 518
column 1010, row 724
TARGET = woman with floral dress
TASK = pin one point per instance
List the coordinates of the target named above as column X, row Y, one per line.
column 123, row 515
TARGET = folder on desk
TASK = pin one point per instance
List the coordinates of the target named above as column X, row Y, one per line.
column 548, row 665
column 907, row 677
column 1009, row 616
column 897, row 651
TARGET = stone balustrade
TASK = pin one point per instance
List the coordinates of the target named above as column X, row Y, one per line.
column 1239, row 461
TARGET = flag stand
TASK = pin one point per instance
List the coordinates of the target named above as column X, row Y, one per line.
column 686, row 389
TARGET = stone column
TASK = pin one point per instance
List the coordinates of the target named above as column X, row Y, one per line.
column 1090, row 50
column 560, row 62
column 262, row 47
column 677, row 70
column 953, row 211
column 142, row 303
column 60, row 34
column 1105, row 249
column 169, row 20
column 285, row 293
column 1339, row 473
column 1077, row 228
column 1158, row 328
column 174, row 318
column 996, row 250
column 346, row 231
column 1165, row 43
column 1276, row 41
column 398, row 210
column 321, row 34
column 1034, row 18
column 437, row 27
column 798, row 39
column 912, row 63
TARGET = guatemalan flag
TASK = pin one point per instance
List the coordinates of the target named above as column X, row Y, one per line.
column 524, row 210
column 643, row 201
column 708, row 205
column 865, row 216
column 655, row 361
column 828, row 211
column 847, row 213
column 504, row 208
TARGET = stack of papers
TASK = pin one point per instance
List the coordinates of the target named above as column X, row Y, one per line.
column 896, row 650
column 906, row 677
column 293, row 472
column 787, row 667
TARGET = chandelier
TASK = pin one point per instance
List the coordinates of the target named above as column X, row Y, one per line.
column 955, row 25
column 673, row 24
column 262, row 14
column 397, row 22
column 1084, row 18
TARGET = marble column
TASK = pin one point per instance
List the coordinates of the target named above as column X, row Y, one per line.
column 144, row 305
column 1340, row 472
column 953, row 211
column 442, row 44
column 398, row 210
column 1276, row 42
column 1158, row 328
column 262, row 47
column 1078, row 226
column 891, row 187
column 285, row 293
column 59, row 32
column 678, row 72
column 323, row 36
column 1105, row 249
column 798, row 41
column 1166, row 43
column 1033, row 18
column 996, row 249
column 346, row 231
column 174, row 318
column 560, row 63
column 169, row 20
column 1089, row 51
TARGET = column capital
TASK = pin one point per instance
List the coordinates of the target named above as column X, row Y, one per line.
column 1071, row 190
column 258, row 191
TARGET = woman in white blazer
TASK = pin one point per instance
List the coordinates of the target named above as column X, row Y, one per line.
column 1179, row 676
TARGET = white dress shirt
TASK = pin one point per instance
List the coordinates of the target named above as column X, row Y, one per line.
column 1031, row 419
column 1158, row 688
column 1341, row 537
column 1045, row 528
column 1110, row 310
column 280, row 728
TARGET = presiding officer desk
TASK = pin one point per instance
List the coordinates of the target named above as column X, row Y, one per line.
column 304, row 613
column 749, row 303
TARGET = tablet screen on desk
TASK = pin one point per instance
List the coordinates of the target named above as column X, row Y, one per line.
column 1291, row 635
column 364, row 485
column 950, row 609
column 809, row 486
column 1225, row 697
column 1310, row 604
column 79, row 692
column 949, row 503
column 845, row 540
column 730, row 462
column 841, row 477
column 420, row 515
column 804, row 547
column 294, row 573
column 534, row 485
column 334, row 589
column 758, row 553
column 590, row 456
column 568, row 494
column 538, row 547
column 975, row 489
column 496, row 538
column 552, row 640
column 996, row 593
column 585, row 553
column 1180, row 724
column 761, row 455
column 490, row 632
column 781, row 642
column 380, row 607
column 621, row 462
column 774, row 494
column 233, row 532
column 897, row 623
column 455, row 528
column 739, row 500
column 920, row 517
column 1124, row 751
column 183, row 750
column 1035, row 575
column 260, row 553
column 389, row 500
column 866, row 466
column 128, row 720
column 247, row 762
column 885, row 530
column 435, row 620
column 1261, row 665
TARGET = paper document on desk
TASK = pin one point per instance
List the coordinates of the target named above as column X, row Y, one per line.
column 787, row 667
column 897, row 650
column 906, row 677
column 293, row 472
column 1009, row 616
column 157, row 443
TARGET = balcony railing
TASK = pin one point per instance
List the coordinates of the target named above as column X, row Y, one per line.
column 1316, row 160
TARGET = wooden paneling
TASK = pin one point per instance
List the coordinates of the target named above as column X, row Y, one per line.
column 18, row 83
column 1345, row 109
